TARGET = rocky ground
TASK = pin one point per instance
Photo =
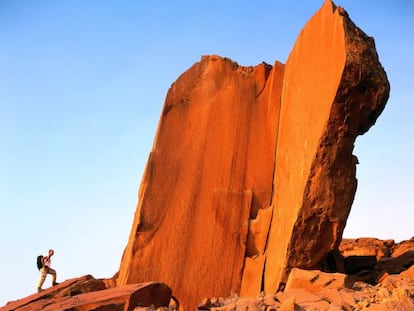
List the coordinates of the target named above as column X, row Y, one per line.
column 316, row 290
column 378, row 275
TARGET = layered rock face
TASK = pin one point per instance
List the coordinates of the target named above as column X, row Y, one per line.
column 251, row 172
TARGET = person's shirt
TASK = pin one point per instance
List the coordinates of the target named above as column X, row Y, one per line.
column 47, row 261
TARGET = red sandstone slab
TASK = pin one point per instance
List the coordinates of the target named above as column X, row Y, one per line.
column 334, row 88
column 210, row 171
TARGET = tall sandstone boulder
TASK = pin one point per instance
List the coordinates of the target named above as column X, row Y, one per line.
column 210, row 171
column 334, row 88
column 251, row 173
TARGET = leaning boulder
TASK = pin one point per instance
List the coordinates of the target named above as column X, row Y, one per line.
column 334, row 88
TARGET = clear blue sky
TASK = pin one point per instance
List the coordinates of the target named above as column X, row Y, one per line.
column 82, row 84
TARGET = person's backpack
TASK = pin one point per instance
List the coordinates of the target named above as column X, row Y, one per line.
column 39, row 262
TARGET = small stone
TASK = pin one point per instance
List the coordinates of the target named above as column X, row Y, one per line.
column 363, row 304
column 205, row 304
column 271, row 301
column 383, row 293
column 215, row 302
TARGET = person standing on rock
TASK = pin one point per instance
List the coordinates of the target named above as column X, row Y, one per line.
column 46, row 269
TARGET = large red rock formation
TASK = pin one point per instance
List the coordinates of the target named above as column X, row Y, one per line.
column 251, row 172
column 334, row 88
column 210, row 171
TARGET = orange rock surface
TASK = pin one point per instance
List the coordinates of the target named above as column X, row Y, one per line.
column 251, row 172
column 210, row 171
column 334, row 88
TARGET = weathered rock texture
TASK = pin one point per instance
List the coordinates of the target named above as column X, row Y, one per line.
column 251, row 172
column 86, row 293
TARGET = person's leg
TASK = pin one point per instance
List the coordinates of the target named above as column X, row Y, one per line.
column 43, row 273
column 53, row 273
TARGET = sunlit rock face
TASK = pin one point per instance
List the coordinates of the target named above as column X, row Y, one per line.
column 209, row 173
column 251, row 173
column 334, row 88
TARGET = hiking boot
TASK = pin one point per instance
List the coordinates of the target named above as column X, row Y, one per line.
column 55, row 283
column 39, row 289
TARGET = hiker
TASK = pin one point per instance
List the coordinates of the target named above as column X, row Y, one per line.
column 45, row 268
